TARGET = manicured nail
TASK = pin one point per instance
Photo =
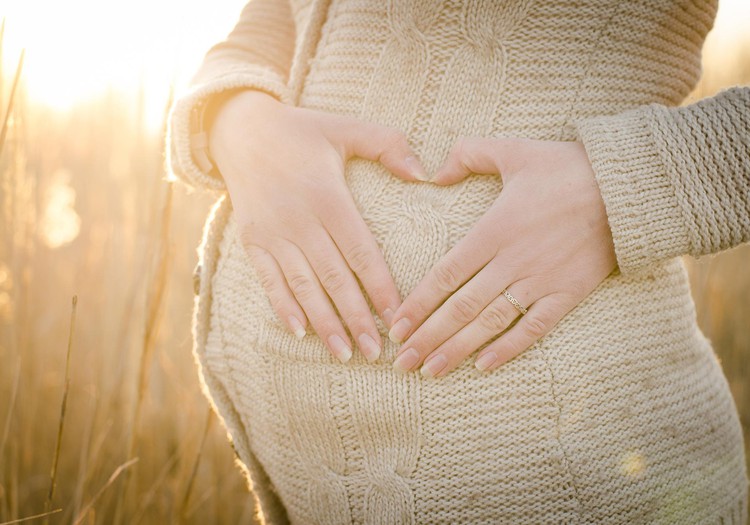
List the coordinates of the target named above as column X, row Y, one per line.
column 415, row 169
column 297, row 328
column 406, row 361
column 485, row 361
column 399, row 330
column 339, row 348
column 434, row 365
column 388, row 317
column 369, row 347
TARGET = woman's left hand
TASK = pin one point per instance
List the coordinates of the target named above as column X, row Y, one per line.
column 545, row 241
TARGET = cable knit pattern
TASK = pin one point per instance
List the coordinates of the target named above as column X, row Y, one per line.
column 621, row 414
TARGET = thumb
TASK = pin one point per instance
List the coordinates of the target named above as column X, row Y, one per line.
column 473, row 155
column 388, row 146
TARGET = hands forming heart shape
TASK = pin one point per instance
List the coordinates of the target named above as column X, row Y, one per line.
column 544, row 244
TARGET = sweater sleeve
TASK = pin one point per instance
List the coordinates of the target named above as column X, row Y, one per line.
column 674, row 181
column 257, row 54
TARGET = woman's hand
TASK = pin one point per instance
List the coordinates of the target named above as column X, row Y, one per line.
column 545, row 241
column 284, row 169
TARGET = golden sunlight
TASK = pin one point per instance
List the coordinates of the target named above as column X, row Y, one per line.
column 633, row 464
column 731, row 24
column 82, row 48
column 104, row 415
column 60, row 222
column 5, row 299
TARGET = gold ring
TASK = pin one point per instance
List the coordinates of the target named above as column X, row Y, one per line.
column 514, row 302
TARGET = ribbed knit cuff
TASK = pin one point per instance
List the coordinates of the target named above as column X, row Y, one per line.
column 642, row 210
column 179, row 156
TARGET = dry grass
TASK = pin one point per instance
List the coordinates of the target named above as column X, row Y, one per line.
column 136, row 441
column 135, row 444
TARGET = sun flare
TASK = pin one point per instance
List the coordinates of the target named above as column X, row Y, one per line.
column 79, row 49
column 82, row 48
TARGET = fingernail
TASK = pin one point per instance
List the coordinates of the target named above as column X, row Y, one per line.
column 406, row 361
column 415, row 169
column 297, row 328
column 339, row 348
column 485, row 361
column 399, row 330
column 434, row 365
column 369, row 347
column 388, row 317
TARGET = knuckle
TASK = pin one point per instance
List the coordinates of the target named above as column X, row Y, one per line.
column 266, row 278
column 464, row 308
column 579, row 288
column 247, row 235
column 459, row 145
column 447, row 276
column 291, row 217
column 333, row 280
column 417, row 307
column 512, row 348
column 358, row 321
column 534, row 327
column 301, row 286
column 327, row 325
column 462, row 148
column 394, row 139
column 495, row 318
column 359, row 258
column 379, row 293
column 328, row 203
column 278, row 305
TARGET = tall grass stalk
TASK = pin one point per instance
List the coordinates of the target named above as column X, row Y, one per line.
column 45, row 515
column 157, row 286
column 189, row 490
column 63, row 406
column 2, row 50
column 11, row 406
column 112, row 478
column 158, row 485
column 155, row 298
column 13, row 87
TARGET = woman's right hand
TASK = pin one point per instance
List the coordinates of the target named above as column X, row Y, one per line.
column 284, row 170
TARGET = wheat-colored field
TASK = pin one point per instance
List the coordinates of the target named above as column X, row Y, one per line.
column 102, row 419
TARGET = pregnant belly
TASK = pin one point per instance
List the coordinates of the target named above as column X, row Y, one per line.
column 598, row 422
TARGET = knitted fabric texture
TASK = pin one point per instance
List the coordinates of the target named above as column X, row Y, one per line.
column 621, row 414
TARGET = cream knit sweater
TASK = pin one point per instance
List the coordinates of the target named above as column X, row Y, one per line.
column 621, row 414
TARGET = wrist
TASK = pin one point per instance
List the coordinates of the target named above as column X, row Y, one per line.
column 205, row 113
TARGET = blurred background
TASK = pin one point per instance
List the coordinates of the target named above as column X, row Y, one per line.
column 114, row 414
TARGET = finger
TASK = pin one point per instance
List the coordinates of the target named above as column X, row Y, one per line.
column 388, row 146
column 538, row 322
column 310, row 295
column 278, row 292
column 455, row 268
column 454, row 314
column 492, row 321
column 356, row 243
column 339, row 283
column 475, row 155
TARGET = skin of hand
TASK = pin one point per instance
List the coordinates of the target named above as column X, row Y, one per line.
column 545, row 240
column 284, row 170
